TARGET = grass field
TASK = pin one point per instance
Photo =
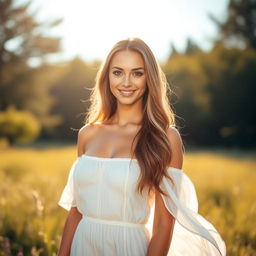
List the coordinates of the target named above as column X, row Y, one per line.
column 32, row 180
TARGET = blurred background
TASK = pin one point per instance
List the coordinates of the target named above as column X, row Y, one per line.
column 50, row 52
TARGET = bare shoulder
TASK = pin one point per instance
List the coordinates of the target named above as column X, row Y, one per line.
column 84, row 133
column 174, row 136
column 85, row 130
column 177, row 147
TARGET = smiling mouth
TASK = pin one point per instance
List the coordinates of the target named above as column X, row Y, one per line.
column 126, row 92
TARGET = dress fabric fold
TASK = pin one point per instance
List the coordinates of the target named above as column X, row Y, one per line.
column 115, row 215
column 200, row 236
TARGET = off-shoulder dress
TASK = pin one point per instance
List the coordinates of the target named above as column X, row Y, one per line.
column 116, row 217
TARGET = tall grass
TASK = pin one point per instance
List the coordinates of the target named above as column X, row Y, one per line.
column 32, row 180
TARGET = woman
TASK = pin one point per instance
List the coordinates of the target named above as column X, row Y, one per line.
column 129, row 160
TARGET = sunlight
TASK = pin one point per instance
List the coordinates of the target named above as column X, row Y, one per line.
column 90, row 28
column 149, row 224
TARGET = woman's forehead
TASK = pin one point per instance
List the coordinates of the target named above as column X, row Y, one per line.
column 127, row 58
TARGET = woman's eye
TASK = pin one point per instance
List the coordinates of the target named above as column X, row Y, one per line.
column 117, row 73
column 138, row 73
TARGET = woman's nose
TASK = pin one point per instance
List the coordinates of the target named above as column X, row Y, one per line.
column 126, row 81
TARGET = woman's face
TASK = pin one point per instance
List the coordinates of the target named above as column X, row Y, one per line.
column 127, row 76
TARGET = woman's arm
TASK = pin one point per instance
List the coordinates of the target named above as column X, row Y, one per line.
column 162, row 229
column 73, row 218
column 163, row 221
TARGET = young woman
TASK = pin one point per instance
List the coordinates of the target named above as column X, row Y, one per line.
column 129, row 160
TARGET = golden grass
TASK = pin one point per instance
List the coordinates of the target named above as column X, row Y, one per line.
column 32, row 181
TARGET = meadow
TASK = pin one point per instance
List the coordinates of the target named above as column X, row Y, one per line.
column 32, row 180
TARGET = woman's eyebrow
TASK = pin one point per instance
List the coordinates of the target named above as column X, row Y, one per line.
column 132, row 69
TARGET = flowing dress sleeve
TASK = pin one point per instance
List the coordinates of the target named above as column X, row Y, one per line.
column 67, row 199
column 192, row 234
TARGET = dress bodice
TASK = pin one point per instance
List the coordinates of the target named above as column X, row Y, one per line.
column 106, row 188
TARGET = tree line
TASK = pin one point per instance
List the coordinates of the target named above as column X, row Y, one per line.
column 213, row 91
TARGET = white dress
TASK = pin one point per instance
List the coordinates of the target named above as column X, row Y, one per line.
column 115, row 215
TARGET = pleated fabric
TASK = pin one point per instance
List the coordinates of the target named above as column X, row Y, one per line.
column 100, row 237
column 116, row 217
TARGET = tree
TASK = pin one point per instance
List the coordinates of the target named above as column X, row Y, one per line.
column 18, row 126
column 215, row 95
column 240, row 25
column 190, row 99
column 18, row 27
column 191, row 47
column 23, row 40
column 72, row 92
column 231, row 86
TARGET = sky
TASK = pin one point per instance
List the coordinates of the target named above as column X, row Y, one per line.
column 91, row 27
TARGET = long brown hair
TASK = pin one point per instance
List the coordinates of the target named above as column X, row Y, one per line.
column 153, row 150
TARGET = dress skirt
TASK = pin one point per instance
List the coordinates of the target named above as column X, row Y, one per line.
column 101, row 237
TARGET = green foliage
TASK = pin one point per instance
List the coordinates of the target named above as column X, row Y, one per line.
column 25, row 42
column 72, row 91
column 190, row 99
column 18, row 126
column 191, row 47
column 22, row 37
column 231, row 86
column 215, row 90
column 239, row 28
column 215, row 95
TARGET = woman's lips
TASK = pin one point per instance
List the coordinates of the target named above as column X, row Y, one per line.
column 127, row 93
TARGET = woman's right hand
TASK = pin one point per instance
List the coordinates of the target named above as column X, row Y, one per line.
column 73, row 218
